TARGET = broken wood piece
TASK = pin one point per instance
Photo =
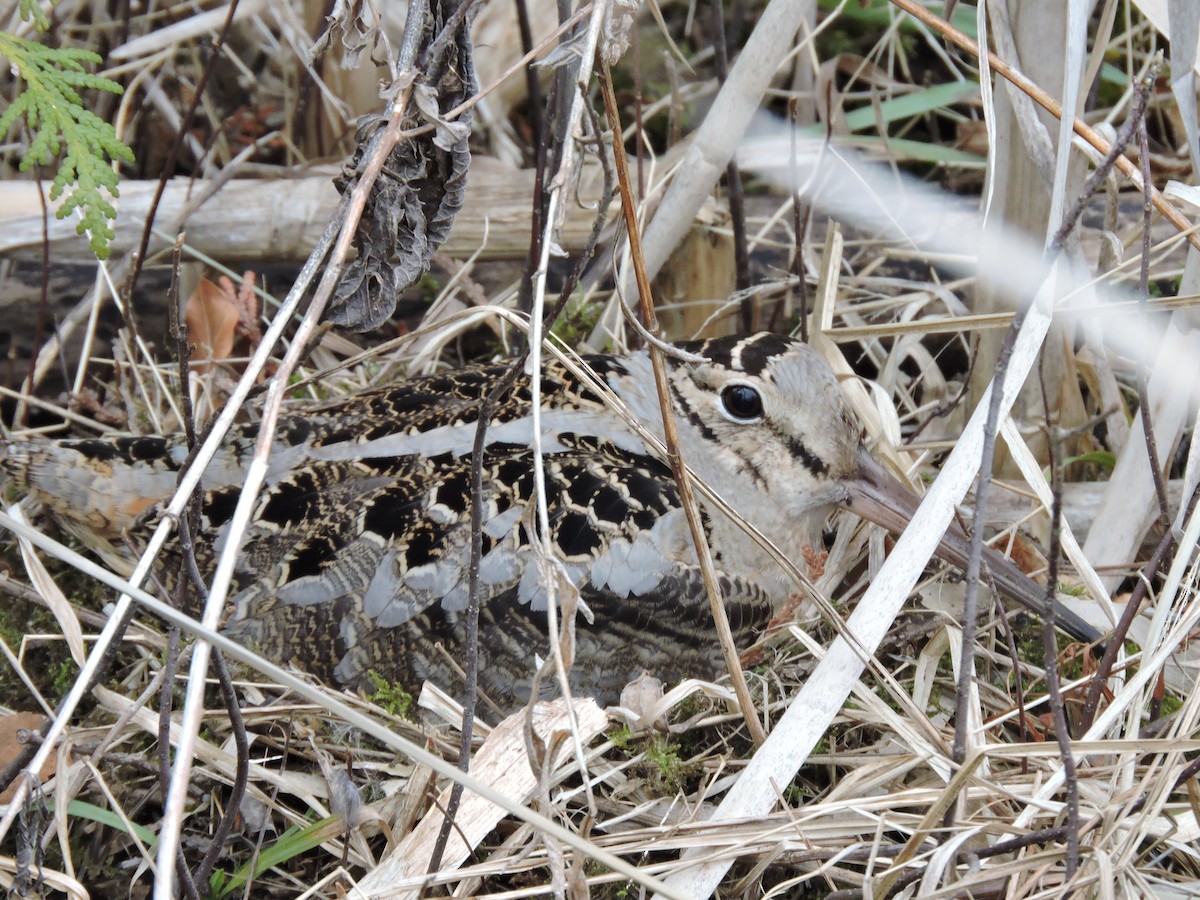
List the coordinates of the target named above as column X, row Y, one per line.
column 501, row 762
column 280, row 219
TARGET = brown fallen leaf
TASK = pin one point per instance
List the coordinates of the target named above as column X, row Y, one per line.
column 87, row 401
column 1028, row 556
column 212, row 314
column 11, row 746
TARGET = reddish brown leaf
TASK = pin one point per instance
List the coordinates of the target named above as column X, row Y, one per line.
column 212, row 314
column 11, row 746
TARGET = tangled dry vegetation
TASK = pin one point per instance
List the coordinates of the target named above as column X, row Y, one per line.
column 1096, row 789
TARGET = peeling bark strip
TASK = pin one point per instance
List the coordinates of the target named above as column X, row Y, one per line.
column 422, row 186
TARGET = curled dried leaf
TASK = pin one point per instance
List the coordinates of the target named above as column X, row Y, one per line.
column 417, row 196
column 355, row 24
column 217, row 315
column 618, row 22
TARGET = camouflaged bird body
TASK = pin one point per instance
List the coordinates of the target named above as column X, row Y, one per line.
column 357, row 558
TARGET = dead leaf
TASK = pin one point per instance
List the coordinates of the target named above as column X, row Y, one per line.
column 417, row 196
column 217, row 315
column 212, row 314
column 1028, row 557
column 11, row 745
column 641, row 696
column 87, row 402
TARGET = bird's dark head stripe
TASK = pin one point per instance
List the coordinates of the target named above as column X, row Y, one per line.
column 753, row 354
column 739, row 353
column 607, row 365
column 807, row 458
column 693, row 416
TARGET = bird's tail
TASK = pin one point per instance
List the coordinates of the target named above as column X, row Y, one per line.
column 104, row 484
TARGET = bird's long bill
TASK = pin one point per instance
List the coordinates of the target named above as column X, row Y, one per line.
column 878, row 497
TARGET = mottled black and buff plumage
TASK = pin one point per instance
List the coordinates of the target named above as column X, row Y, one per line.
column 357, row 557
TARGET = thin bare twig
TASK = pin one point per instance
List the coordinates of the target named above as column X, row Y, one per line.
column 971, row 578
column 39, row 328
column 733, row 178
column 1052, row 106
column 1160, row 485
column 800, row 219
column 571, row 96
column 1062, row 731
column 168, row 166
column 541, row 149
column 474, row 601
column 241, row 777
column 486, row 410
column 671, row 437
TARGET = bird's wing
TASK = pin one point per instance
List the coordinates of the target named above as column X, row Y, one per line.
column 373, row 579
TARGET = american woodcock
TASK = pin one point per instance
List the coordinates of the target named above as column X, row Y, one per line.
column 357, row 558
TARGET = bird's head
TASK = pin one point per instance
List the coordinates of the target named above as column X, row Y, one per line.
column 767, row 408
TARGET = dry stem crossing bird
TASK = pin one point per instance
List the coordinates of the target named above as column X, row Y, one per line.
column 357, row 557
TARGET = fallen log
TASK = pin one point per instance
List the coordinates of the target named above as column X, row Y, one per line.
column 280, row 219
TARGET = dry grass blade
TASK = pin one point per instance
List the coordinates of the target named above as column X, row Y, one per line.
column 335, row 705
column 57, row 602
column 672, row 796
column 502, row 763
column 821, row 697
column 677, row 462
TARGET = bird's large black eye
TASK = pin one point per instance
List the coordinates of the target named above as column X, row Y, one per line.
column 741, row 403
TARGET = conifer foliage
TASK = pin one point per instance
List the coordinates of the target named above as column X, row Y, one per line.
column 62, row 128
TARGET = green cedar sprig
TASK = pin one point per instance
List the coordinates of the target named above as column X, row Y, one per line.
column 31, row 11
column 54, row 113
